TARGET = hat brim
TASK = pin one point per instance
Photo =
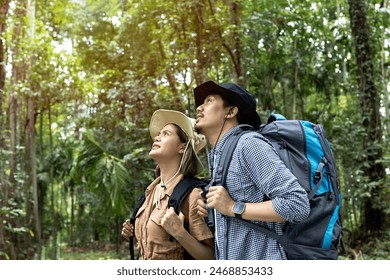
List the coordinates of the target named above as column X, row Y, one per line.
column 249, row 115
column 162, row 117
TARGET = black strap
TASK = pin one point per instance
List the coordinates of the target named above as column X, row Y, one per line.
column 182, row 190
column 227, row 153
column 318, row 176
column 131, row 248
column 224, row 161
column 265, row 231
column 141, row 201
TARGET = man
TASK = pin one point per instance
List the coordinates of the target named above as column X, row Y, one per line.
column 259, row 187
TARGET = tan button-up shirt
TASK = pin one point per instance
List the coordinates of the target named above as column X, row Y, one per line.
column 152, row 239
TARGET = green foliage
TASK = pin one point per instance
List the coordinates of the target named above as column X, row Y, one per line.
column 10, row 214
column 102, row 173
column 99, row 69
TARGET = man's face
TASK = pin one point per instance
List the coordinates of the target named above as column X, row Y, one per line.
column 210, row 115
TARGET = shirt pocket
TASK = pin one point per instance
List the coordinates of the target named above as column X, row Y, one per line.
column 163, row 245
column 157, row 215
column 157, row 234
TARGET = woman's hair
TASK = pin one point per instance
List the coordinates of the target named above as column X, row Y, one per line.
column 188, row 162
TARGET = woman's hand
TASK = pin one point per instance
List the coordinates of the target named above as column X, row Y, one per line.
column 173, row 223
column 201, row 207
column 127, row 229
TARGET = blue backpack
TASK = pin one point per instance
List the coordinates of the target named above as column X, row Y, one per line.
column 305, row 150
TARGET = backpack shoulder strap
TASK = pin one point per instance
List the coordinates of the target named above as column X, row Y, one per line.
column 227, row 153
column 182, row 190
column 141, row 201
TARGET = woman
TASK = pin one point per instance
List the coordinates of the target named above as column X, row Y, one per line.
column 174, row 149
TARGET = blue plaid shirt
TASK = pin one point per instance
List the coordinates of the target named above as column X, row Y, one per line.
column 256, row 172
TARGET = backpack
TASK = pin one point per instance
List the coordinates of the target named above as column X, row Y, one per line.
column 305, row 150
column 175, row 200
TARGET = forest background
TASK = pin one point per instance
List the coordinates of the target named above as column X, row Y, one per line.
column 80, row 79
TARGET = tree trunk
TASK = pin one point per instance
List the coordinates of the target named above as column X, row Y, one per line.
column 385, row 75
column 233, row 49
column 295, row 93
column 170, row 75
column 32, row 165
column 31, row 117
column 16, row 249
column 52, row 198
column 3, row 188
column 18, row 66
column 373, row 214
column 12, row 123
column 200, row 68
column 236, row 56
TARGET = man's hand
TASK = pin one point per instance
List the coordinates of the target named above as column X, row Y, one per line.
column 218, row 198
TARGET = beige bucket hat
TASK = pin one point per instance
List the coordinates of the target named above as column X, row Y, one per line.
column 163, row 117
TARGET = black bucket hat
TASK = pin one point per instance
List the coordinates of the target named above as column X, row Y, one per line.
column 236, row 95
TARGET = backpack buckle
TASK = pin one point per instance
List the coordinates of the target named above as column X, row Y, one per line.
column 282, row 145
column 317, row 176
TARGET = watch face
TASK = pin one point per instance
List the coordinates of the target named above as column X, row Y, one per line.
column 238, row 208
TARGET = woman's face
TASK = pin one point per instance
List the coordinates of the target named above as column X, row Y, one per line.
column 167, row 144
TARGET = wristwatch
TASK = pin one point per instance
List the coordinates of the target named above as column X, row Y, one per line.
column 238, row 209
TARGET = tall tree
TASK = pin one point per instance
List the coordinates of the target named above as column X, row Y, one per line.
column 30, row 134
column 14, row 100
column 229, row 34
column 4, row 7
column 373, row 214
